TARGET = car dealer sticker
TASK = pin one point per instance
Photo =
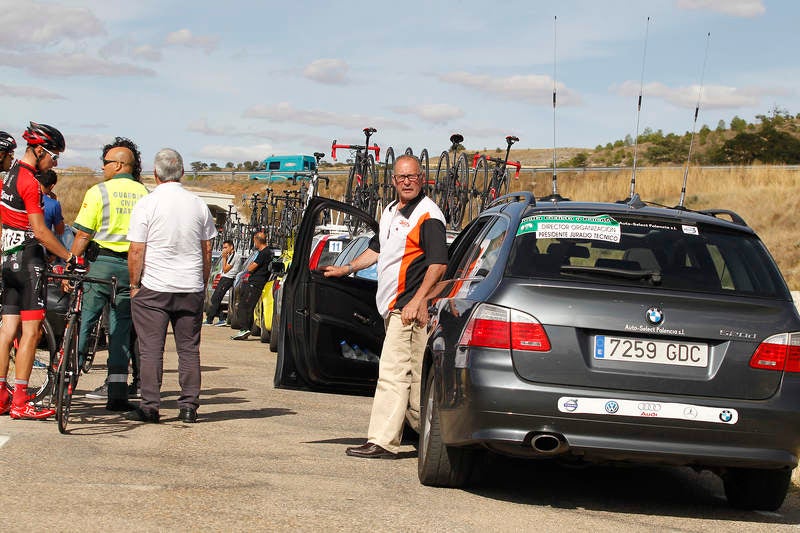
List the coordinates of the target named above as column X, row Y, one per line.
column 647, row 409
column 599, row 228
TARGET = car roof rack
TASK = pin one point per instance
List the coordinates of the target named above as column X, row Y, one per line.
column 735, row 218
column 527, row 196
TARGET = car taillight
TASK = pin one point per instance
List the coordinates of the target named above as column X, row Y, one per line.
column 276, row 286
column 216, row 281
column 492, row 326
column 780, row 352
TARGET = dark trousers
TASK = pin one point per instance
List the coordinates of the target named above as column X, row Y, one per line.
column 250, row 295
column 216, row 299
column 152, row 312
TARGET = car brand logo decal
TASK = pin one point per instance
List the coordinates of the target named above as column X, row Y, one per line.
column 612, row 407
column 571, row 404
column 725, row 415
column 649, row 406
column 655, row 316
column 690, row 412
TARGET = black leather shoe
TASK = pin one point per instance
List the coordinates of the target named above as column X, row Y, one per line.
column 187, row 415
column 370, row 451
column 137, row 415
column 120, row 405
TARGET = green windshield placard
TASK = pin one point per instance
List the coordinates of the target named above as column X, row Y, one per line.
column 599, row 228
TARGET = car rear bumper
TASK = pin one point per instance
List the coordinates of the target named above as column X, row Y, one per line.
column 488, row 404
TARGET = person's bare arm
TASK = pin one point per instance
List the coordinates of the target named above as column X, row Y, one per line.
column 136, row 265
column 367, row 258
column 416, row 311
column 46, row 237
column 81, row 242
column 206, row 261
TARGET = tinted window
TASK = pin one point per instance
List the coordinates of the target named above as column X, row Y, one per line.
column 483, row 253
column 643, row 252
column 274, row 165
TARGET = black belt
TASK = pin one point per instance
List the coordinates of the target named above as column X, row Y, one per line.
column 112, row 253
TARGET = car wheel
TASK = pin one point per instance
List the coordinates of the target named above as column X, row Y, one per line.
column 439, row 465
column 233, row 313
column 264, row 335
column 255, row 330
column 273, row 339
column 756, row 489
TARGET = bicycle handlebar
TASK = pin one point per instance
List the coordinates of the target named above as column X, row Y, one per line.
column 375, row 148
column 75, row 277
column 499, row 161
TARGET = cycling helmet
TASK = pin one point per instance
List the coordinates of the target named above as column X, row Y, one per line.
column 7, row 142
column 44, row 135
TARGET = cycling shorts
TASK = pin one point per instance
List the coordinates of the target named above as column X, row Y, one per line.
column 24, row 283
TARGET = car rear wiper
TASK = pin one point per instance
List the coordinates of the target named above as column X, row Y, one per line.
column 654, row 276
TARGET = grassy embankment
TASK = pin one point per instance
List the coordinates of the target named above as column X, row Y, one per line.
column 765, row 197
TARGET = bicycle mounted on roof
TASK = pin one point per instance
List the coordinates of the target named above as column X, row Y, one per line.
column 362, row 182
column 485, row 190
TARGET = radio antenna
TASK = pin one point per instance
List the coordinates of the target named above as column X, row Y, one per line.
column 694, row 124
column 638, row 113
column 555, row 179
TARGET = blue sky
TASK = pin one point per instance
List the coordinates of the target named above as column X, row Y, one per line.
column 240, row 80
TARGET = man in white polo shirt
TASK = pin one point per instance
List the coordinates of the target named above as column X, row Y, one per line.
column 169, row 262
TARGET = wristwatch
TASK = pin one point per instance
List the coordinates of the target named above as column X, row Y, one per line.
column 135, row 286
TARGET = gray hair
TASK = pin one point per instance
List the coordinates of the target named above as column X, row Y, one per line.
column 168, row 165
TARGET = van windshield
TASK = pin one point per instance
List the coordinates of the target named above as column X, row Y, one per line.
column 644, row 252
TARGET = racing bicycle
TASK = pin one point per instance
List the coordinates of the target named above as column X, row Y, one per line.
column 362, row 182
column 485, row 190
column 69, row 367
column 451, row 185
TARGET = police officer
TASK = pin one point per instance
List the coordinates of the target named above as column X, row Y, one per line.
column 7, row 147
column 103, row 220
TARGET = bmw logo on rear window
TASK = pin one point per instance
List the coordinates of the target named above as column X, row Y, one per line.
column 654, row 316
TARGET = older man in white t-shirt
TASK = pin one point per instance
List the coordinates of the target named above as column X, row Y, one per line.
column 169, row 263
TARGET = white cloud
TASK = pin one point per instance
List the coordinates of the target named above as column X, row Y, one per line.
column 79, row 64
column 531, row 88
column 235, row 153
column 89, row 143
column 284, row 112
column 736, row 8
column 127, row 47
column 23, row 91
column 713, row 96
column 184, row 37
column 28, row 24
column 328, row 71
column 433, row 113
column 201, row 126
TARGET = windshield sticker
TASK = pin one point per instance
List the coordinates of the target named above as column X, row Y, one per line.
column 649, row 225
column 335, row 247
column 690, row 230
column 599, row 228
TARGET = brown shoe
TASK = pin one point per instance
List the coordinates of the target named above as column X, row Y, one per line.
column 370, row 451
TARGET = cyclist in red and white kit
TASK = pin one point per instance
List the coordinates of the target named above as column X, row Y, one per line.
column 24, row 269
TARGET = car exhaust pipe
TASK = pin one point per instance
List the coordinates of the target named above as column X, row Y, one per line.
column 549, row 443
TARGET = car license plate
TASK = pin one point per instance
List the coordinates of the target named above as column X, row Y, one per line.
column 650, row 351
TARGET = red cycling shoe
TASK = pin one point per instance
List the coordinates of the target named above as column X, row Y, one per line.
column 28, row 411
column 5, row 407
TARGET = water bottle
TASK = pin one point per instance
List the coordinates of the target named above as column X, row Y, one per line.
column 371, row 357
column 347, row 351
column 360, row 355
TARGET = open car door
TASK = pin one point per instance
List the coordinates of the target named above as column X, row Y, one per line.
column 322, row 319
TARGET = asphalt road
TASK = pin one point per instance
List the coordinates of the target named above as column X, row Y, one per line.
column 266, row 459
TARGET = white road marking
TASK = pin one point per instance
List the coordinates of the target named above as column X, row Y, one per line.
column 3, row 440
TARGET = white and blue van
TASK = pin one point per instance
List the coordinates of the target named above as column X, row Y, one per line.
column 283, row 167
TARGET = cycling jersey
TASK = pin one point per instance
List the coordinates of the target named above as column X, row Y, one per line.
column 21, row 195
column 24, row 265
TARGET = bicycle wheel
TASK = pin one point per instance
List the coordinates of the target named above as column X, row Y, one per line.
column 480, row 184
column 354, row 197
column 43, row 374
column 67, row 374
column 424, row 165
column 388, row 192
column 96, row 337
column 459, row 193
column 438, row 194
column 372, row 189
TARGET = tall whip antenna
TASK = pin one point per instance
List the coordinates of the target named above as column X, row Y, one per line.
column 555, row 182
column 639, row 112
column 694, row 125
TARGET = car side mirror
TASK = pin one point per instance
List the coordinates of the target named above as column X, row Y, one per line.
column 277, row 267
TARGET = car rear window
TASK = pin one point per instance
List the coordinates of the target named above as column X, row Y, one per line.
column 644, row 252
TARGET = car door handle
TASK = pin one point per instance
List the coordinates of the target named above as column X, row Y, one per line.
column 363, row 319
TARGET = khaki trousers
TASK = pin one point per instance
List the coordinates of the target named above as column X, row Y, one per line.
column 397, row 395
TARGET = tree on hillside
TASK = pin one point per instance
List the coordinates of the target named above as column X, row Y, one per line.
column 768, row 145
column 738, row 124
column 197, row 166
column 721, row 126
